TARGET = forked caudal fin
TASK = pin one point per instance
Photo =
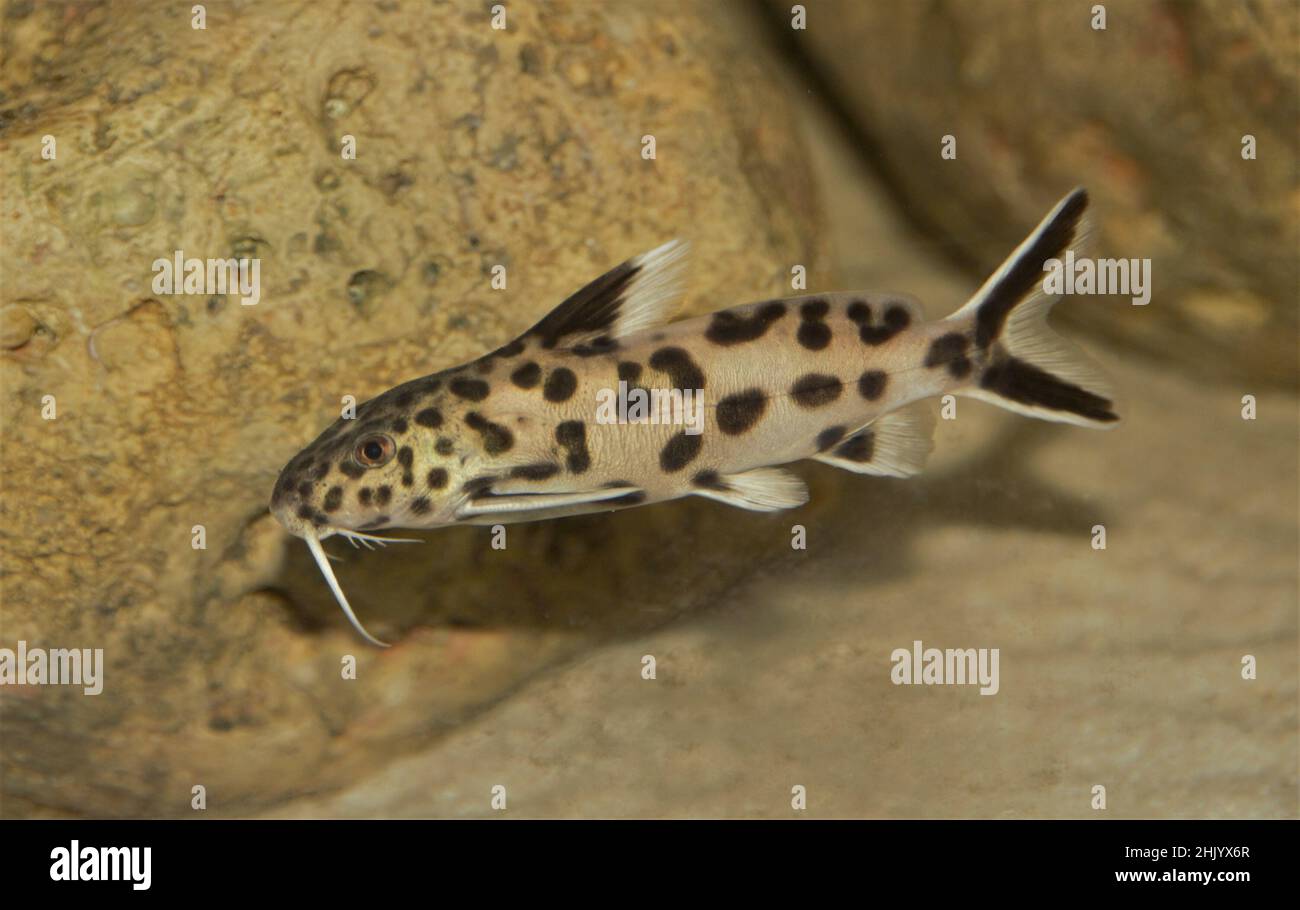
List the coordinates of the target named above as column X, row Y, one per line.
column 1019, row 363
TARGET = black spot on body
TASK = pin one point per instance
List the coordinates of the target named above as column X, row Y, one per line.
column 429, row 417
column 815, row 390
column 814, row 310
column 444, row 446
column 859, row 447
column 572, row 436
column 631, row 499
column 600, row 345
column 629, row 371
column 539, row 471
column 814, row 336
column 950, row 351
column 421, row 505
column 479, row 486
column 738, row 413
column 527, row 376
column 871, row 384
column 680, row 451
column 470, row 389
column 496, row 438
column 560, row 385
column 895, row 320
column 728, row 327
column 437, row 478
column 709, row 480
column 484, row 364
column 378, row 522
column 681, row 370
column 511, row 349
column 333, row 499
column 829, row 436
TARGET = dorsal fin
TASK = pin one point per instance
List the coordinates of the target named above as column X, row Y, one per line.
column 640, row 293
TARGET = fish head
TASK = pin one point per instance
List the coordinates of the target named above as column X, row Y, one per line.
column 402, row 461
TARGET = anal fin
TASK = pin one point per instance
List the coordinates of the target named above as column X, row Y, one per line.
column 760, row 490
column 893, row 445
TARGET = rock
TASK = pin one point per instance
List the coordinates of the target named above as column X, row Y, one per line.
column 474, row 147
column 1149, row 114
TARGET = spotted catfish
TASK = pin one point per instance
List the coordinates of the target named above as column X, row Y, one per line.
column 518, row 434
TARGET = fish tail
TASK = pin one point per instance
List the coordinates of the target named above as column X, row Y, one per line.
column 1015, row 360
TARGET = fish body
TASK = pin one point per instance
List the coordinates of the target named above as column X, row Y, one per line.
column 533, row 430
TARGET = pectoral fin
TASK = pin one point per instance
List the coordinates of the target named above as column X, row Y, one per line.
column 532, row 506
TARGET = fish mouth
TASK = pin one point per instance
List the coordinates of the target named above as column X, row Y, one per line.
column 313, row 536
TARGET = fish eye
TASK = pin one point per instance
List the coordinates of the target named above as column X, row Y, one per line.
column 374, row 451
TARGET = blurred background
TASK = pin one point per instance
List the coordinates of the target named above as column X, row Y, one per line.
column 785, row 135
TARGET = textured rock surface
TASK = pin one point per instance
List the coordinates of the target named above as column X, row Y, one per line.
column 1118, row 668
column 1149, row 114
column 475, row 147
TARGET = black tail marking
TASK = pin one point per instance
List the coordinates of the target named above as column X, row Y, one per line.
column 1023, row 382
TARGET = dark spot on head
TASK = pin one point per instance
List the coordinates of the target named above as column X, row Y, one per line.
column 709, row 480
column 729, row 327
column 444, row 446
column 437, row 478
column 420, row 505
column 950, row 350
column 859, row 447
column 496, row 438
column 405, row 457
column 572, row 436
column 333, row 499
column 383, row 495
column 629, row 371
column 527, row 376
column 680, row 451
column 398, row 425
column 429, row 417
column 828, row 437
column 539, row 471
column 872, row 383
column 305, row 511
column 813, row 390
column 682, row 371
column 351, row 468
column 560, row 385
column 363, row 495
column 738, row 413
column 305, row 489
column 404, row 398
column 471, row 389
column 319, row 472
